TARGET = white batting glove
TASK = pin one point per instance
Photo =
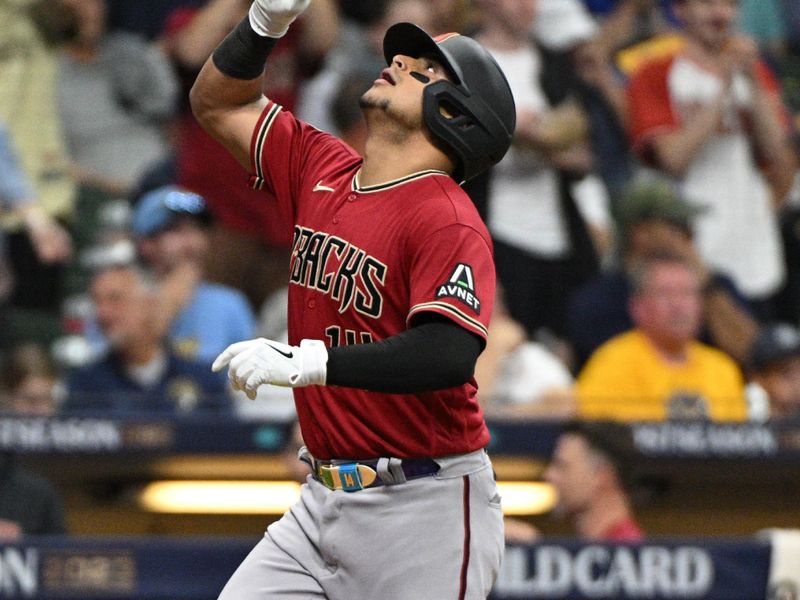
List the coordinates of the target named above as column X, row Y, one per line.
column 272, row 18
column 255, row 362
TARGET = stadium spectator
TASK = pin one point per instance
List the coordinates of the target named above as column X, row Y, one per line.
column 591, row 471
column 29, row 504
column 535, row 224
column 711, row 117
column 30, row 382
column 139, row 373
column 625, row 22
column 116, row 92
column 653, row 219
column 29, row 29
column 773, row 371
column 145, row 18
column 578, row 63
column 658, row 370
column 571, row 38
column 520, row 378
column 170, row 230
column 452, row 15
column 49, row 239
column 577, row 73
column 193, row 30
column 250, row 236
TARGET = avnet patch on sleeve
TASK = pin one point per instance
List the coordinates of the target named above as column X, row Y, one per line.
column 461, row 286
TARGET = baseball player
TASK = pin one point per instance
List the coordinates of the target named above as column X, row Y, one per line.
column 391, row 288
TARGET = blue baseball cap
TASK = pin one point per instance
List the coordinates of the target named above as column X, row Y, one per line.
column 159, row 208
column 774, row 343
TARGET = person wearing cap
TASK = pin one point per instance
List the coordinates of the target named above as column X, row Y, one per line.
column 170, row 229
column 652, row 218
column 138, row 373
column 658, row 370
column 391, row 288
column 773, row 372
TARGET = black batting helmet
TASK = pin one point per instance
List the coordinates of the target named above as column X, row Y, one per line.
column 472, row 117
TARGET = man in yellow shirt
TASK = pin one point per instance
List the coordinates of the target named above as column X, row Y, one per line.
column 658, row 370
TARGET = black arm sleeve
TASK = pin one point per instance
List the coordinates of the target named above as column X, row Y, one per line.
column 243, row 53
column 434, row 354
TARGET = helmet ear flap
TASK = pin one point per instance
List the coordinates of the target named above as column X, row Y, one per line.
column 443, row 116
column 464, row 127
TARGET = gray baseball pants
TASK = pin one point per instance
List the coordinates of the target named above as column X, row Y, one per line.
column 433, row 538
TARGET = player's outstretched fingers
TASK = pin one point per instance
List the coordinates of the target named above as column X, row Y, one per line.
column 246, row 362
column 240, row 369
column 226, row 355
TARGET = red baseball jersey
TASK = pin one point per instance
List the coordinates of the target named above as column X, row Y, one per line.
column 365, row 260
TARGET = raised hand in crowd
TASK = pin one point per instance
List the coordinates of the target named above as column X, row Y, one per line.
column 51, row 241
column 741, row 54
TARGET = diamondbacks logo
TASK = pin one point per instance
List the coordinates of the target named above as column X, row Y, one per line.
column 462, row 287
column 335, row 267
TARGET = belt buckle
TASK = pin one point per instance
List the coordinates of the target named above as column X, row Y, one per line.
column 350, row 477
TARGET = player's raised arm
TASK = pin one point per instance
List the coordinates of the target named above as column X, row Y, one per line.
column 227, row 96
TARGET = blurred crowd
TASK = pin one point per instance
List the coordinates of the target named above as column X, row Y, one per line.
column 646, row 221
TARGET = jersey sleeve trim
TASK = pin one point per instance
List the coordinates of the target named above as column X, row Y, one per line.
column 257, row 145
column 452, row 312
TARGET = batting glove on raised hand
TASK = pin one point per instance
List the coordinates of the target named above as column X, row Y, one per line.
column 255, row 362
column 272, row 17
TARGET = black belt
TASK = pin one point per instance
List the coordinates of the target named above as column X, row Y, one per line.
column 352, row 476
